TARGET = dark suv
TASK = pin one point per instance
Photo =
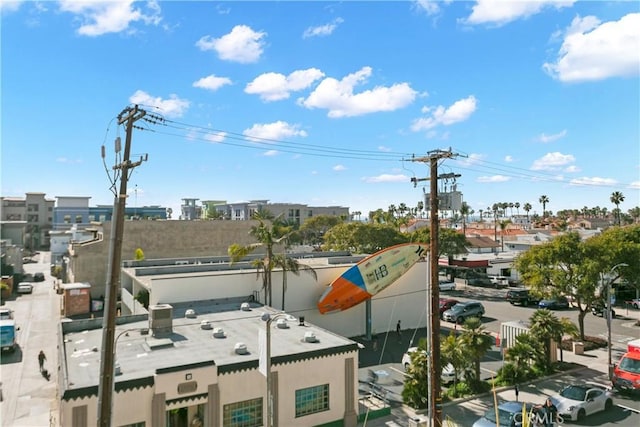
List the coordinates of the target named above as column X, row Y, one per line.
column 522, row 297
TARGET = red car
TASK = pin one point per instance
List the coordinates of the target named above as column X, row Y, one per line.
column 446, row 304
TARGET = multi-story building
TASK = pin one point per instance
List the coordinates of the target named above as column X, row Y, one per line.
column 37, row 213
column 294, row 213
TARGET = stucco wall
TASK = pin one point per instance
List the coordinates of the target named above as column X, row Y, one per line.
column 157, row 239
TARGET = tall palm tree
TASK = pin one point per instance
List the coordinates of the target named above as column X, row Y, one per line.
column 477, row 340
column 544, row 200
column 517, row 206
column 464, row 213
column 527, row 207
column 268, row 234
column 504, row 224
column 291, row 265
column 617, row 198
column 452, row 351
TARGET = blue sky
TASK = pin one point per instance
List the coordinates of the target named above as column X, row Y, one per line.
column 325, row 103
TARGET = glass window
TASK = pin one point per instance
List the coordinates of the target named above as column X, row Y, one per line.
column 67, row 219
column 311, row 400
column 243, row 414
column 78, row 219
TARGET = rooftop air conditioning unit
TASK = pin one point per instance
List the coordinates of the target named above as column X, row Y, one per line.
column 218, row 333
column 205, row 324
column 310, row 337
column 190, row 313
column 161, row 319
column 245, row 306
column 282, row 324
column 240, row 348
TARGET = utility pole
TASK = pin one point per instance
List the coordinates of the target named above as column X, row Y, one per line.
column 107, row 361
column 435, row 387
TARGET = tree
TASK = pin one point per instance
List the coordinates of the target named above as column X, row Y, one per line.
column 617, row 198
column 527, row 207
column 139, row 254
column 416, row 386
column 452, row 351
column 544, row 200
column 314, row 228
column 292, row 265
column 504, row 224
column 521, row 357
column 268, row 235
column 450, row 241
column 464, row 213
column 478, row 341
column 362, row 238
column 546, row 327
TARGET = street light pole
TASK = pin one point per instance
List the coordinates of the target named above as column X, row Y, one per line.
column 608, row 302
column 267, row 363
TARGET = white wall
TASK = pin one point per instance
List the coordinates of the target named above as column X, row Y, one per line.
column 404, row 300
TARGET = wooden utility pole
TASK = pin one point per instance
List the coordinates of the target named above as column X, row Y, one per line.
column 108, row 352
column 435, row 387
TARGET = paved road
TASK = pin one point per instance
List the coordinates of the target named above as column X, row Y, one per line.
column 29, row 400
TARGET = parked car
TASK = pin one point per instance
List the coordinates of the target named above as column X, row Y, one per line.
column 446, row 304
column 481, row 281
column 509, row 415
column 38, row 277
column 6, row 314
column 556, row 303
column 25, row 288
column 521, row 296
column 446, row 286
column 600, row 309
column 635, row 303
column 575, row 402
column 448, row 374
column 462, row 311
column 499, row 281
column 626, row 374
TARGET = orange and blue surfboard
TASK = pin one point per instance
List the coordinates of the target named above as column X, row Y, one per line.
column 370, row 276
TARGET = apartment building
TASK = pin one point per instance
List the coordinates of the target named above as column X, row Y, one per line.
column 33, row 214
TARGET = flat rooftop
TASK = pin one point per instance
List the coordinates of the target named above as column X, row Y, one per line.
column 140, row 355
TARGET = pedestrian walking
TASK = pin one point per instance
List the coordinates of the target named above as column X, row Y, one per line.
column 41, row 359
column 399, row 330
column 549, row 413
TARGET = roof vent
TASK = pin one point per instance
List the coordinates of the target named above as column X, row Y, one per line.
column 190, row 313
column 161, row 319
column 240, row 348
column 117, row 368
column 282, row 324
column 245, row 306
column 310, row 337
column 205, row 324
column 219, row 333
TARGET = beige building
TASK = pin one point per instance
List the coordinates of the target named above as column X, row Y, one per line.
column 202, row 364
column 37, row 213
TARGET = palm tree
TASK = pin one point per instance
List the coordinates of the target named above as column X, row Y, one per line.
column 504, row 224
column 517, row 206
column 545, row 326
column 544, row 200
column 452, row 351
column 464, row 213
column 292, row 265
column 522, row 355
column 527, row 207
column 268, row 235
column 477, row 340
column 617, row 198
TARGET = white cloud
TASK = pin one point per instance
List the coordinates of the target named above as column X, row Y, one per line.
column 494, row 178
column 430, row 7
column 215, row 136
column 270, row 153
column 68, row 161
column 471, row 159
column 502, row 12
column 172, row 107
column 635, row 184
column 102, row 17
column 384, row 149
column 323, row 30
column 509, row 159
column 596, row 181
column 459, row 111
column 276, row 86
column 572, row 169
column 273, row 131
column 242, row 45
column 10, row 6
column 339, row 168
column 337, row 96
column 544, row 138
column 386, row 178
column 552, row 161
column 594, row 51
column 212, row 82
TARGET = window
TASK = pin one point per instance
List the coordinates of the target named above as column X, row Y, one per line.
column 103, row 218
column 78, row 219
column 243, row 414
column 67, row 219
column 92, row 218
column 32, row 207
column 311, row 400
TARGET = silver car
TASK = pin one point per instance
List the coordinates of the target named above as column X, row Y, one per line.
column 462, row 311
column 510, row 414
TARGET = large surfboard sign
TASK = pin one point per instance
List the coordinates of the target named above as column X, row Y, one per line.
column 370, row 276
